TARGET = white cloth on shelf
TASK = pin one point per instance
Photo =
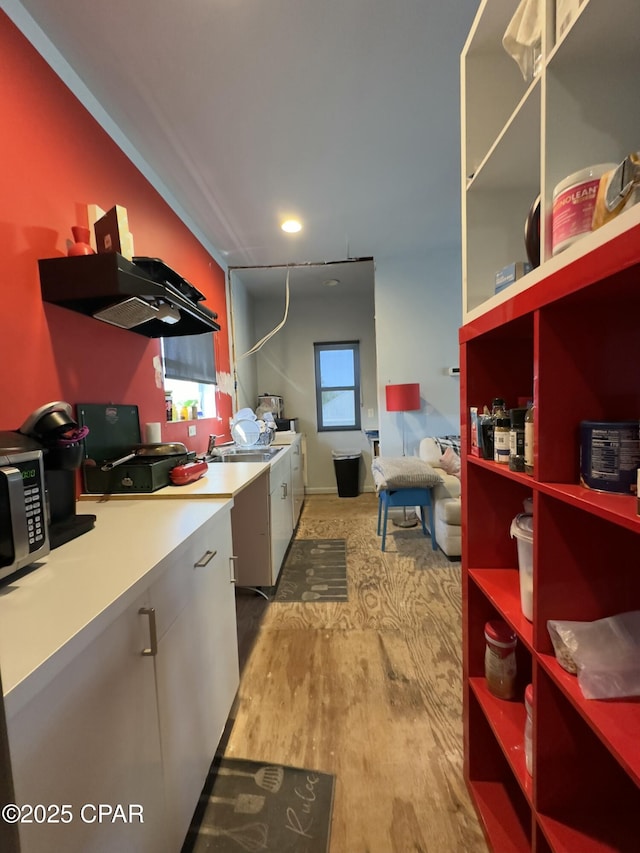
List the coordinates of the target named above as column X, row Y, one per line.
column 523, row 35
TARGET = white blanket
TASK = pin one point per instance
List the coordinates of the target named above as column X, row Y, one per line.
column 403, row 472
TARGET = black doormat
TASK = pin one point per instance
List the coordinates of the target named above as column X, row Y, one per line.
column 256, row 806
column 314, row 570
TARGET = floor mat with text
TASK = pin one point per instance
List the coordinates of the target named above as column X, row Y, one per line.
column 314, row 570
column 251, row 805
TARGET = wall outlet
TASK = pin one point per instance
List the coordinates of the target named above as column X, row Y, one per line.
column 192, row 430
column 369, row 413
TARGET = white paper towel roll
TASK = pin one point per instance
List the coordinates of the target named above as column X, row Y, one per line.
column 152, row 433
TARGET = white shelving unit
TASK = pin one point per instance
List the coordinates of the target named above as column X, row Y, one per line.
column 520, row 139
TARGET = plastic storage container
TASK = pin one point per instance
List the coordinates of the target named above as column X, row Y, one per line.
column 522, row 530
column 347, row 467
column 574, row 200
column 610, row 456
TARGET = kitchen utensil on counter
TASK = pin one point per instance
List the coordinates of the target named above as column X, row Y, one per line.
column 245, row 432
column 269, row 778
column 267, row 430
column 161, row 451
column 271, row 403
column 325, row 587
column 188, row 473
column 243, row 803
column 245, row 414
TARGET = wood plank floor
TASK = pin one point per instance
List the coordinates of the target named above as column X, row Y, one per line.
column 369, row 691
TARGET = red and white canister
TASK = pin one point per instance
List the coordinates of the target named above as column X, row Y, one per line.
column 500, row 659
column 574, row 200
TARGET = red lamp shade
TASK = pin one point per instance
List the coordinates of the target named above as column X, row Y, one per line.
column 403, row 398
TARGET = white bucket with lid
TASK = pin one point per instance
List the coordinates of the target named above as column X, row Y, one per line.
column 522, row 531
column 574, row 200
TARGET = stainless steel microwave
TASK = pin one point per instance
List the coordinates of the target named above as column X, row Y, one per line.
column 24, row 537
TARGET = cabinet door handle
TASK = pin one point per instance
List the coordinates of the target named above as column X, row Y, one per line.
column 206, row 558
column 232, row 569
column 152, row 651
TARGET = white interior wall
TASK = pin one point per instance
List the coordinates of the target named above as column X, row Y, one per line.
column 418, row 314
column 285, row 367
column 243, row 337
column 413, row 338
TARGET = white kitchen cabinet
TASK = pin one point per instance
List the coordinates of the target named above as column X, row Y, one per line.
column 91, row 736
column 251, row 525
column 281, row 505
column 297, row 477
column 521, row 138
column 134, row 717
column 196, row 666
column 262, row 521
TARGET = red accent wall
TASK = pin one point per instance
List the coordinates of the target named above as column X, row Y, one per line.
column 55, row 160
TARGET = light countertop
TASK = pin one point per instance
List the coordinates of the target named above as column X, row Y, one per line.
column 53, row 610
column 223, row 479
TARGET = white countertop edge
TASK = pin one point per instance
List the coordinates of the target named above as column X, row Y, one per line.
column 35, row 645
column 223, row 479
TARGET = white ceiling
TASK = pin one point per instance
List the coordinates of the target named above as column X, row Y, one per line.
column 342, row 113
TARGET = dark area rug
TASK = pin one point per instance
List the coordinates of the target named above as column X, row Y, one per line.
column 250, row 805
column 314, row 570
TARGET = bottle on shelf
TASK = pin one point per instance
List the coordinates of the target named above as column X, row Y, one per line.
column 485, row 433
column 501, row 431
column 528, row 439
column 516, row 439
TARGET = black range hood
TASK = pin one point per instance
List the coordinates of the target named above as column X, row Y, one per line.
column 144, row 296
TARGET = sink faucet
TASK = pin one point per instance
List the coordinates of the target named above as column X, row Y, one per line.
column 212, row 443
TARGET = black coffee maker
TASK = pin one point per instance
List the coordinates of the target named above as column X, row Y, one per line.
column 60, row 437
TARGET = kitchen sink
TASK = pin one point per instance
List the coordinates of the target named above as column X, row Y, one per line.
column 258, row 454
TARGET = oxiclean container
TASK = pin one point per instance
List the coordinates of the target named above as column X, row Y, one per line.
column 574, row 200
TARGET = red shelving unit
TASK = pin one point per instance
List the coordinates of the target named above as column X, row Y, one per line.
column 571, row 343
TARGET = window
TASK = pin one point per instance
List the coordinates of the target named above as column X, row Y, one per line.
column 190, row 357
column 337, row 385
column 190, row 375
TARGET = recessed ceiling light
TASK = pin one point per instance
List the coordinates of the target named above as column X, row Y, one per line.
column 331, row 282
column 291, row 226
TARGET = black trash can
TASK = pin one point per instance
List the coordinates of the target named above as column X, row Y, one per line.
column 347, row 468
